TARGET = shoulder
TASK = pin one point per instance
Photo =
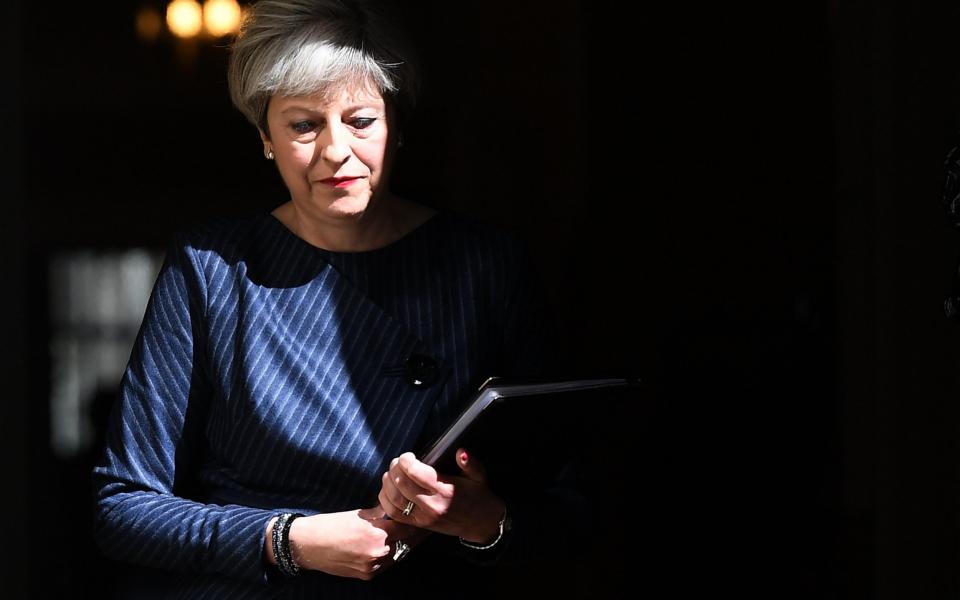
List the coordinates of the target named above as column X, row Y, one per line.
column 469, row 236
column 254, row 242
column 484, row 255
column 225, row 237
column 207, row 251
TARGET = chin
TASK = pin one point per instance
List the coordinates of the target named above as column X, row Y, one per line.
column 348, row 206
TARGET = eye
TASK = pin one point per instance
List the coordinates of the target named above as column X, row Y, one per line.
column 361, row 122
column 301, row 127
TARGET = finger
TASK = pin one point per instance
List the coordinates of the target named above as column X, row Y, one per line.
column 368, row 574
column 358, row 570
column 421, row 474
column 407, row 487
column 409, row 490
column 396, row 530
column 391, row 500
column 372, row 513
column 383, row 564
column 387, row 547
column 395, row 504
column 471, row 467
column 406, row 465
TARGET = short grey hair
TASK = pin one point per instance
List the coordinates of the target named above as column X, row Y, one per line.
column 306, row 47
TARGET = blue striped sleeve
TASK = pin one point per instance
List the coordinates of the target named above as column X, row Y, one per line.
column 142, row 484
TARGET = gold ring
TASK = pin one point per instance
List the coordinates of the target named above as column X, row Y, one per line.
column 408, row 509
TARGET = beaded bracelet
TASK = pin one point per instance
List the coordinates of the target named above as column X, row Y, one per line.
column 281, row 544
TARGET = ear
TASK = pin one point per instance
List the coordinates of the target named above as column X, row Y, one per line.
column 265, row 138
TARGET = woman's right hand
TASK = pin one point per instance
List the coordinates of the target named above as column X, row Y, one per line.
column 354, row 543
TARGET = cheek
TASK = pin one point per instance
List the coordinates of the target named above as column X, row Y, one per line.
column 301, row 155
column 372, row 155
column 295, row 160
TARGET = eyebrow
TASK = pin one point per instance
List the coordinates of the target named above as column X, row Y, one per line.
column 314, row 110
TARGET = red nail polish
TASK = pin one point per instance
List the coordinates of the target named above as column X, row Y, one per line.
column 463, row 457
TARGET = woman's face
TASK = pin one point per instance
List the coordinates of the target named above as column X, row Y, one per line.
column 332, row 151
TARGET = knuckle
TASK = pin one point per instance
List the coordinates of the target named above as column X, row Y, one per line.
column 408, row 462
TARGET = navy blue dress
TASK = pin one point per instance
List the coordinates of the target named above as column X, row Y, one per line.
column 269, row 376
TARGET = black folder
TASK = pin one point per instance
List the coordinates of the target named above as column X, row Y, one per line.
column 481, row 411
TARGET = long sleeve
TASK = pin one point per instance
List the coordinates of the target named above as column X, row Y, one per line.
column 270, row 375
column 143, row 482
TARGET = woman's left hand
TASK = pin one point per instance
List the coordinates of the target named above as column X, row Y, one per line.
column 463, row 506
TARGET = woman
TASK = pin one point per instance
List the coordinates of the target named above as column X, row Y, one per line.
column 288, row 364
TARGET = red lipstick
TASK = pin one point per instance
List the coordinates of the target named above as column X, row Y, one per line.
column 339, row 181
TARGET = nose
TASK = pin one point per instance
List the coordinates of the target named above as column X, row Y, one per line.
column 334, row 142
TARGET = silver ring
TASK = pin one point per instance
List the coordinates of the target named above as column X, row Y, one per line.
column 400, row 551
column 408, row 509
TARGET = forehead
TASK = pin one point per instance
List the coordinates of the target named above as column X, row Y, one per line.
column 338, row 99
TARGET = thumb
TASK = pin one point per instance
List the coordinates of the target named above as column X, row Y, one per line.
column 374, row 512
column 471, row 467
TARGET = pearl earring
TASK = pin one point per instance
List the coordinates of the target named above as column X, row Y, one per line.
column 269, row 154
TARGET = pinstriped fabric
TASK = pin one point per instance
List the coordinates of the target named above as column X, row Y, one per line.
column 267, row 376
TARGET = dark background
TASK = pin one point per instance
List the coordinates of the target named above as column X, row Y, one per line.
column 740, row 204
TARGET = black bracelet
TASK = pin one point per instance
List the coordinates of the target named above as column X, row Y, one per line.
column 281, row 544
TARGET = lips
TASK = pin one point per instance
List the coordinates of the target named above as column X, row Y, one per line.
column 339, row 181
